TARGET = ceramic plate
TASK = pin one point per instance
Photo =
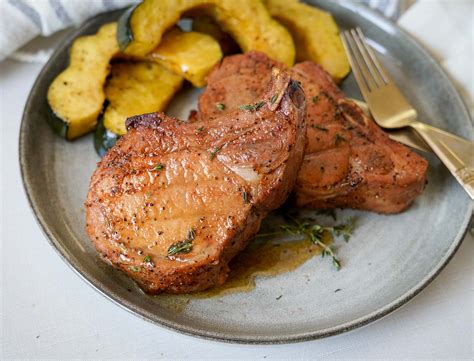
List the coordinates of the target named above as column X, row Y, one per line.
column 386, row 263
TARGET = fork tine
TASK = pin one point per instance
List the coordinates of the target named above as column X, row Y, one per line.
column 372, row 56
column 361, row 72
column 362, row 47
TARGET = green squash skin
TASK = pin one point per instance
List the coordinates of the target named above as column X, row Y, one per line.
column 124, row 31
column 104, row 139
column 58, row 125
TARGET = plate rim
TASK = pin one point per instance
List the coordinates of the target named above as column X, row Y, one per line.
column 217, row 335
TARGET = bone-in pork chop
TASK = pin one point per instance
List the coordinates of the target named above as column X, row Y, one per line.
column 349, row 161
column 173, row 202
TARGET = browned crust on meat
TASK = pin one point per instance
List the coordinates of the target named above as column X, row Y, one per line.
column 136, row 212
column 349, row 161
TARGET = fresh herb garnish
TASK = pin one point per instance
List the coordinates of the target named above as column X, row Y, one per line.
column 245, row 197
column 199, row 130
column 249, row 107
column 220, row 106
column 338, row 139
column 315, row 126
column 329, row 98
column 259, row 105
column 345, row 230
column 180, row 247
column 158, row 167
column 314, row 232
column 184, row 246
column 252, row 107
column 273, row 98
column 315, row 99
column 215, row 151
column 148, row 261
column 191, row 235
column 134, row 268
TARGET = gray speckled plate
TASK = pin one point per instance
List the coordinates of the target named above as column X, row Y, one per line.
column 387, row 262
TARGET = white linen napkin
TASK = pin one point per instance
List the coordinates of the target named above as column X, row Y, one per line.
column 23, row 20
column 446, row 29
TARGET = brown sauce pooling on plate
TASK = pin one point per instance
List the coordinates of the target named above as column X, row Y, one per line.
column 261, row 258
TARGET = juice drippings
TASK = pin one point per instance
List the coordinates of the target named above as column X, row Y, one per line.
column 259, row 259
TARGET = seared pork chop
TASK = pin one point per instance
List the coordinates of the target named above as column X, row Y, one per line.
column 349, row 161
column 173, row 202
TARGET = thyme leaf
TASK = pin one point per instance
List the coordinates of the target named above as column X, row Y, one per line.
column 345, row 230
column 245, row 197
column 158, row 167
column 215, row 151
column 180, row 247
column 191, row 235
column 220, row 106
column 248, row 107
column 273, row 99
column 252, row 107
column 338, row 139
column 184, row 246
column 259, row 105
column 147, row 260
column 319, row 127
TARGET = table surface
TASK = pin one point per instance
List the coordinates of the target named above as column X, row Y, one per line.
column 47, row 311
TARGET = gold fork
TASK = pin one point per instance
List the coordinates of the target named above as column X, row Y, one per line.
column 391, row 110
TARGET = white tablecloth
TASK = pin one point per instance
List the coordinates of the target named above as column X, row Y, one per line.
column 49, row 312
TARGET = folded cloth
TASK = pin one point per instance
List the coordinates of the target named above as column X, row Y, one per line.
column 23, row 20
column 446, row 29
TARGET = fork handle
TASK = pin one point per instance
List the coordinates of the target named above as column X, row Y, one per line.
column 456, row 153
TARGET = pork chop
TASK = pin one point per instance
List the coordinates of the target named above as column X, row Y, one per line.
column 173, row 202
column 349, row 161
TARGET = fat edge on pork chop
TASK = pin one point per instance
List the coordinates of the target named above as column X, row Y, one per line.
column 349, row 161
column 173, row 202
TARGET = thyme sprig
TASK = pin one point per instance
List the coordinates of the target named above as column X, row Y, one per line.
column 184, row 246
column 252, row 107
column 308, row 229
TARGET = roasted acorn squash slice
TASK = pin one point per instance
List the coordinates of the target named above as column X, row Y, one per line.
column 315, row 33
column 247, row 21
column 77, row 95
column 137, row 88
column 189, row 54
